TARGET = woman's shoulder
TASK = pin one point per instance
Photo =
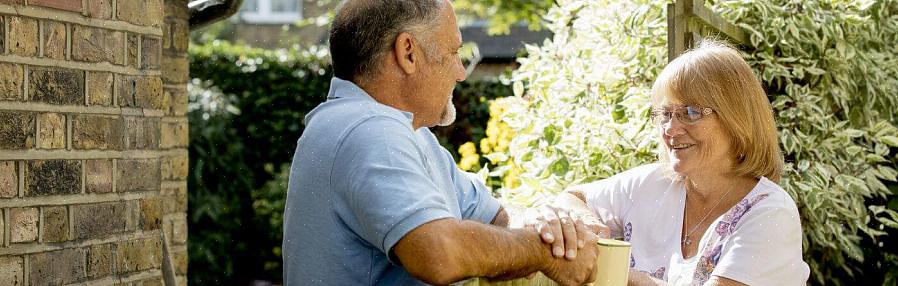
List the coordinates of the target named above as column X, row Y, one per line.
column 766, row 203
column 772, row 196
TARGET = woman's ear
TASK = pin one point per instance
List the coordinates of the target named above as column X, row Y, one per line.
column 404, row 52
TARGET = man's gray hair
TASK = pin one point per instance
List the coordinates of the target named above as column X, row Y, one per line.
column 364, row 30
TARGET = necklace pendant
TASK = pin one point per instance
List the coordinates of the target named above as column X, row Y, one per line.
column 687, row 241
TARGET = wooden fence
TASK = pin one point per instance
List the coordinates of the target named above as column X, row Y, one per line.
column 688, row 21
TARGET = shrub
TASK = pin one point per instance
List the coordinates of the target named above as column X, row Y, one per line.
column 829, row 68
column 246, row 113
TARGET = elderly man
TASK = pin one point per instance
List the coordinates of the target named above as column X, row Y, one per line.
column 373, row 199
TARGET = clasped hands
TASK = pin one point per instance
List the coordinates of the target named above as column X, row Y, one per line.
column 572, row 236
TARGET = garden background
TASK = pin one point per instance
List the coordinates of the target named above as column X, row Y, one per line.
column 576, row 110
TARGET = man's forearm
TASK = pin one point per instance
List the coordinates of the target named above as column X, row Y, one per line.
column 501, row 253
column 449, row 250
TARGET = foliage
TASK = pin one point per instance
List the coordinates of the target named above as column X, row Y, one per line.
column 246, row 111
column 246, row 114
column 829, row 67
column 501, row 15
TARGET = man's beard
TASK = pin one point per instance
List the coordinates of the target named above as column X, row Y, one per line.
column 448, row 116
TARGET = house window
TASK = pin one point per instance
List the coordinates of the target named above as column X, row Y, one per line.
column 271, row 11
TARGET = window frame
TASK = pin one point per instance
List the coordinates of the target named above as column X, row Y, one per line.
column 264, row 14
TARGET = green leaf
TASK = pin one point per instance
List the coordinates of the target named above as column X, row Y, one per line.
column 889, row 140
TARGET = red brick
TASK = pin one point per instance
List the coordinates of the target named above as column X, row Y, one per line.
column 56, row 267
column 133, row 41
column 143, row 133
column 179, row 231
column 56, row 224
column 151, row 213
column 16, row 130
column 23, row 34
column 174, row 168
column 90, row 44
column 140, row 12
column 100, row 261
column 54, row 40
column 9, row 180
column 157, row 281
column 175, row 101
column 12, row 270
column 68, row 5
column 12, row 77
column 52, row 131
column 150, row 52
column 56, row 86
column 100, row 9
column 99, row 88
column 139, row 91
column 98, row 220
column 174, row 200
column 97, row 132
column 174, row 69
column 23, row 224
column 179, row 35
column 98, row 176
column 53, row 177
column 137, row 175
column 138, row 255
column 174, row 135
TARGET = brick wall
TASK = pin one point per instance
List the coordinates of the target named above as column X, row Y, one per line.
column 93, row 138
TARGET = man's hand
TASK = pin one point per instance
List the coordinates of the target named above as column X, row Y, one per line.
column 558, row 227
column 580, row 269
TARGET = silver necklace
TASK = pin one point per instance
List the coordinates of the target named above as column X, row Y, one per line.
column 686, row 240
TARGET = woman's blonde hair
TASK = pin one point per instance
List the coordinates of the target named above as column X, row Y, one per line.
column 715, row 75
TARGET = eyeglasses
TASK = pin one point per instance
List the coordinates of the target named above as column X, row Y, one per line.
column 688, row 115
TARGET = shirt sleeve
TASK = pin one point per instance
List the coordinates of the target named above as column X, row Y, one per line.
column 612, row 197
column 475, row 200
column 380, row 179
column 766, row 248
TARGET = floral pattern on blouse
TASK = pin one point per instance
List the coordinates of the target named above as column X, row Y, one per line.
column 628, row 233
column 724, row 228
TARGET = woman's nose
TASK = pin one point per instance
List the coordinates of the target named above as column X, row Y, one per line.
column 673, row 127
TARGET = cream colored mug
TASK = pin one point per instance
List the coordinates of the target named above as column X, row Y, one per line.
column 612, row 268
column 612, row 263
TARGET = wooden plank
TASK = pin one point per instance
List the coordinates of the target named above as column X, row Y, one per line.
column 711, row 19
column 689, row 21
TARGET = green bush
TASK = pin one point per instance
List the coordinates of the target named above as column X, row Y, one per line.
column 829, row 67
column 246, row 112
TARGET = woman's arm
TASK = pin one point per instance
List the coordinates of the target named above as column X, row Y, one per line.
column 639, row 278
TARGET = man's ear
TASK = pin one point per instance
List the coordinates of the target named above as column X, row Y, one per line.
column 404, row 51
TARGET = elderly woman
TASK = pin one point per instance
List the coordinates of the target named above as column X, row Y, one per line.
column 710, row 212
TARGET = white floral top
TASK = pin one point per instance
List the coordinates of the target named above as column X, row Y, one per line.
column 756, row 242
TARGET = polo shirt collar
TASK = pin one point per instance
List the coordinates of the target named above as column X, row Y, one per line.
column 347, row 89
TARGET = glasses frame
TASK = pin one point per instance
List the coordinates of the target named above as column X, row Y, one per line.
column 667, row 115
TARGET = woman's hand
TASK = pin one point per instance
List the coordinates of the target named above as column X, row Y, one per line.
column 558, row 226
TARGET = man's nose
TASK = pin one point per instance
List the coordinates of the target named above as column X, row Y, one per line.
column 461, row 73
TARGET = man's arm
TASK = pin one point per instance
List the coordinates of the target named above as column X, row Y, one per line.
column 448, row 250
column 501, row 219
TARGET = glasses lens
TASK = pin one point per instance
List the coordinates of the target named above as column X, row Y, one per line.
column 660, row 116
column 690, row 114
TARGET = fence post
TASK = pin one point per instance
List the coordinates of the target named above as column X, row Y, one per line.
column 688, row 21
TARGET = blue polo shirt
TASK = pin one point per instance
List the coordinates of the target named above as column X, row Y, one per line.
column 361, row 179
